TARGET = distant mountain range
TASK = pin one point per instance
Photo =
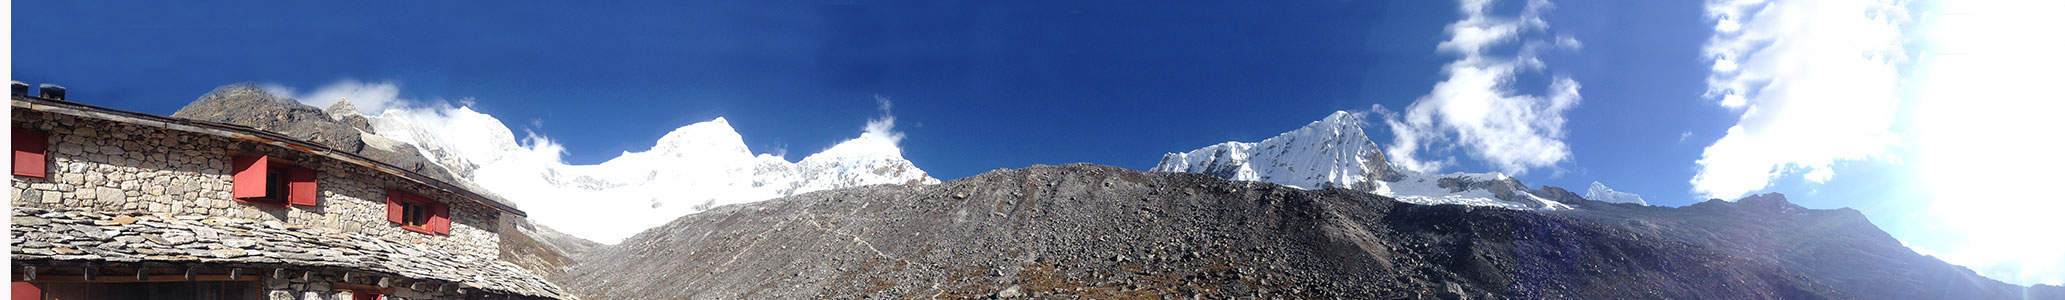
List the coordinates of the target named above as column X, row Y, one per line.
column 690, row 169
column 1315, row 212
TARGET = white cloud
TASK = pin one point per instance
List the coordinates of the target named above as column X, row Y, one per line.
column 1816, row 81
column 1984, row 124
column 371, row 98
column 1477, row 109
column 885, row 125
column 1820, row 82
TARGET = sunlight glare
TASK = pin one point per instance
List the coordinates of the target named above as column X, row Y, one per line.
column 1986, row 126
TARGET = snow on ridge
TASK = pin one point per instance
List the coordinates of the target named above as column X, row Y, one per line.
column 1599, row 192
column 1329, row 152
column 1335, row 152
column 690, row 169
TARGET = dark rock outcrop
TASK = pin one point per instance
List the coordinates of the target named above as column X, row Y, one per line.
column 344, row 112
column 249, row 105
column 1085, row 231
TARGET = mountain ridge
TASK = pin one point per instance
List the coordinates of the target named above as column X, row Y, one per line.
column 1089, row 231
column 640, row 189
column 1335, row 152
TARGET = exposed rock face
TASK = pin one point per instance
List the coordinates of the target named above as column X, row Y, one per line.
column 247, row 104
column 540, row 249
column 344, row 112
column 1102, row 232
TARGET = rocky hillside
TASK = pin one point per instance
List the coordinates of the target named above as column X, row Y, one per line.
column 1838, row 248
column 249, row 105
column 1086, row 231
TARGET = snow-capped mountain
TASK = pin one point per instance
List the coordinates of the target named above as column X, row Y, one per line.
column 1334, row 152
column 689, row 170
column 1330, row 152
column 1600, row 192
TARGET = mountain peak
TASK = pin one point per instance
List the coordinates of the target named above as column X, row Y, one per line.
column 713, row 135
column 1599, row 192
column 1774, row 202
column 1342, row 118
column 1326, row 153
column 1335, row 152
column 1341, row 123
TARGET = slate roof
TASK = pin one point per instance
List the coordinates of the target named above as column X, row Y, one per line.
column 137, row 237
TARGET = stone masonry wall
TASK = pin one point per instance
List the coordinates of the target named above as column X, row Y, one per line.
column 113, row 166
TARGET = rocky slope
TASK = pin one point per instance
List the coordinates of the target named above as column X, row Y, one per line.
column 1838, row 248
column 1085, row 231
column 1335, row 152
column 249, row 105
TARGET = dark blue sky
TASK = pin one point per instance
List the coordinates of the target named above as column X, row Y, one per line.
column 976, row 86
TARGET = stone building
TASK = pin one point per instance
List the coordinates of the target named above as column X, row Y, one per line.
column 112, row 204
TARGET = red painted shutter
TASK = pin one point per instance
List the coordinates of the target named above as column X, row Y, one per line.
column 26, row 291
column 440, row 219
column 394, row 209
column 301, row 186
column 29, row 148
column 247, row 179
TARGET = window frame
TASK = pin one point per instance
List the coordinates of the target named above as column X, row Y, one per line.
column 413, row 212
column 273, row 182
column 31, row 153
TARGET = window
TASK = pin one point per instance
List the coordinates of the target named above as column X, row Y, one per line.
column 365, row 295
column 29, row 149
column 415, row 213
column 260, row 180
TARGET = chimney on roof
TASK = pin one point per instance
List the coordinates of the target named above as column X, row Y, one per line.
column 21, row 88
column 52, row 91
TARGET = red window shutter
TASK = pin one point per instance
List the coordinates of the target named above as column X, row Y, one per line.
column 301, row 186
column 26, row 291
column 394, row 209
column 440, row 219
column 247, row 179
column 29, row 149
column 365, row 295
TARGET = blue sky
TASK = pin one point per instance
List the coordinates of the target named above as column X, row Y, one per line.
column 980, row 86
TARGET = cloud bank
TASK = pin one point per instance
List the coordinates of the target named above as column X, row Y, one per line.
column 1816, row 81
column 371, row 98
column 691, row 169
column 1477, row 109
column 1820, row 82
